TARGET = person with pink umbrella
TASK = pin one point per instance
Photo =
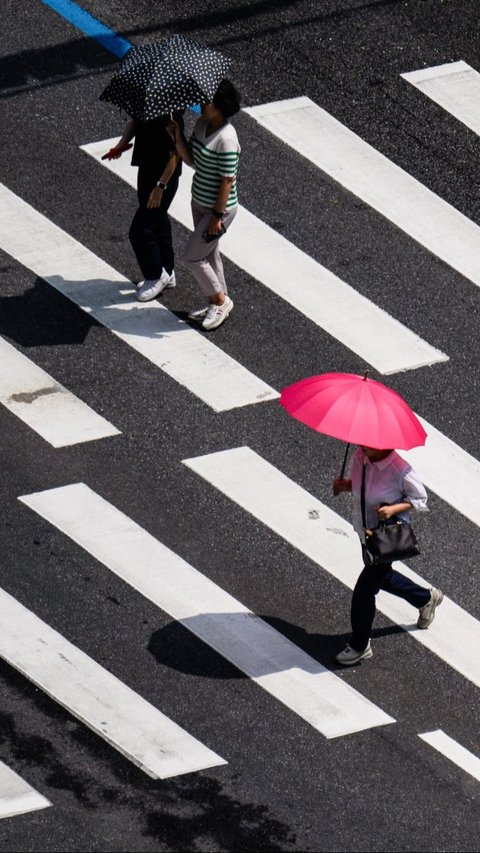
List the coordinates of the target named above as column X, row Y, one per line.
column 391, row 489
column 384, row 486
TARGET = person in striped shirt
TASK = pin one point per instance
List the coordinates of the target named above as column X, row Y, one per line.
column 213, row 150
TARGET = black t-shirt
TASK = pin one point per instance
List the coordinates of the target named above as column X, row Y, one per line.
column 153, row 145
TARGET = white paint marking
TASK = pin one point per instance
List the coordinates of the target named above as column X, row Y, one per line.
column 45, row 405
column 17, row 796
column 331, row 542
column 452, row 750
column 391, row 191
column 180, row 351
column 273, row 662
column 112, row 710
column 455, row 87
column 294, row 276
column 449, row 471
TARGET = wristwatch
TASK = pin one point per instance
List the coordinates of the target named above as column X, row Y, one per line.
column 162, row 185
column 218, row 214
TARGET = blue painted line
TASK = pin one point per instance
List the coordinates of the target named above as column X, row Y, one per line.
column 90, row 26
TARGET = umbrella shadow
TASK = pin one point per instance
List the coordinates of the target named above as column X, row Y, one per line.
column 248, row 647
column 53, row 319
column 42, row 317
column 114, row 304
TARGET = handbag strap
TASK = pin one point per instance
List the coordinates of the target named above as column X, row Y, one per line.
column 362, row 497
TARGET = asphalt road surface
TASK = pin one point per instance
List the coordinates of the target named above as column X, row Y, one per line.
column 145, row 580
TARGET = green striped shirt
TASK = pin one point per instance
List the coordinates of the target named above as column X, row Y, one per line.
column 214, row 157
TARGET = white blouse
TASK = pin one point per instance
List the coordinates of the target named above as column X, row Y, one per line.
column 390, row 481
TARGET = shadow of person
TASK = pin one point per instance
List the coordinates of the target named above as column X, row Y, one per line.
column 41, row 316
column 236, row 645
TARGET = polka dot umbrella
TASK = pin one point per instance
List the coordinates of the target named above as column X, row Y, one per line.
column 162, row 77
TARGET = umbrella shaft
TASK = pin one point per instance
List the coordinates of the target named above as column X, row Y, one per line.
column 342, row 472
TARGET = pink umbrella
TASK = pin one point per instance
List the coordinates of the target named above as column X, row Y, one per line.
column 355, row 409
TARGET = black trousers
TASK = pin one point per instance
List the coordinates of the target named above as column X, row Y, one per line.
column 371, row 580
column 151, row 230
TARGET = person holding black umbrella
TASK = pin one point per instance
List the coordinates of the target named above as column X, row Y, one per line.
column 214, row 151
column 152, row 82
column 159, row 169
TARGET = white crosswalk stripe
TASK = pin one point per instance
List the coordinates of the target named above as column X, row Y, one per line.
column 45, row 405
column 452, row 750
column 371, row 176
column 273, row 662
column 181, row 352
column 310, row 288
column 454, row 86
column 17, row 796
column 275, row 500
column 450, row 472
column 116, row 713
column 327, row 702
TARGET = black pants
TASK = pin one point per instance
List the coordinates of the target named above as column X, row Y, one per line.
column 151, row 230
column 371, row 580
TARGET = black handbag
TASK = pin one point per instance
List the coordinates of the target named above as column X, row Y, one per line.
column 391, row 540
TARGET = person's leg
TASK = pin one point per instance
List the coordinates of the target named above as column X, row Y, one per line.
column 215, row 258
column 147, row 227
column 421, row 597
column 197, row 252
column 204, row 261
column 163, row 227
column 203, row 258
column 363, row 607
column 397, row 584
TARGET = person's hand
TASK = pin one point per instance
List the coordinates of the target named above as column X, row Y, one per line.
column 155, row 198
column 384, row 512
column 340, row 485
column 116, row 151
column 214, row 226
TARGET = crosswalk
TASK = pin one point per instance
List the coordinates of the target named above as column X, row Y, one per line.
column 17, row 796
column 316, row 695
column 112, row 710
column 452, row 750
column 306, row 285
column 46, row 406
column 99, row 290
column 371, row 176
column 283, row 506
column 455, row 86
column 209, row 612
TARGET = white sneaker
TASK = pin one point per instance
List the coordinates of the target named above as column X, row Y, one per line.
column 198, row 313
column 171, row 283
column 151, row 288
column 216, row 314
column 427, row 613
column 349, row 656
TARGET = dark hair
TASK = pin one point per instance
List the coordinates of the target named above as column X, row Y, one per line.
column 227, row 99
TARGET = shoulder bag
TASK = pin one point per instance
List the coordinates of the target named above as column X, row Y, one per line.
column 391, row 540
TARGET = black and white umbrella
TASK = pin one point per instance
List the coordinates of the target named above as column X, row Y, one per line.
column 165, row 76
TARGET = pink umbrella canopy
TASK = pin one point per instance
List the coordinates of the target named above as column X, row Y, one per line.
column 354, row 409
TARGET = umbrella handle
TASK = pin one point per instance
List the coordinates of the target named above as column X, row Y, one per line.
column 342, row 472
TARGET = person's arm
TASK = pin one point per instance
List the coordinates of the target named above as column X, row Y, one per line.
column 123, row 143
column 386, row 512
column 414, row 497
column 155, row 198
column 181, row 144
column 218, row 212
